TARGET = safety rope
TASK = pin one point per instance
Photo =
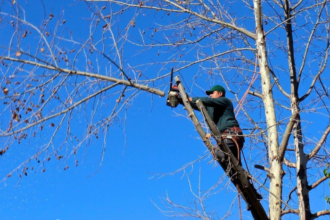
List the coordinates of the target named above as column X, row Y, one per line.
column 238, row 150
column 238, row 195
column 239, row 203
column 239, row 106
column 254, row 77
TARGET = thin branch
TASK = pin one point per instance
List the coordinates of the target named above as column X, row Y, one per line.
column 309, row 42
column 295, row 6
column 262, row 132
column 294, row 189
column 278, row 25
column 292, row 211
column 35, row 28
column 180, row 43
column 319, row 144
column 279, row 199
column 278, row 84
column 6, row 134
column 185, row 10
column 215, row 20
column 318, row 182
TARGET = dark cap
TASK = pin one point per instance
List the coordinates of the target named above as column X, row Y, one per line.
column 218, row 89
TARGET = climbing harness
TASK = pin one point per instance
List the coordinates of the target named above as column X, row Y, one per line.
column 236, row 135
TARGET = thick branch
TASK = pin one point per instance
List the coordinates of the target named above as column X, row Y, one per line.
column 192, row 115
column 255, row 94
column 286, row 136
column 289, row 164
column 92, row 75
column 320, row 213
column 248, row 193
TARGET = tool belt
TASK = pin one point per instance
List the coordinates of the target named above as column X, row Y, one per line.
column 234, row 133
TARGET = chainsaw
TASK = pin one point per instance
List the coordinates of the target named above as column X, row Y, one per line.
column 173, row 94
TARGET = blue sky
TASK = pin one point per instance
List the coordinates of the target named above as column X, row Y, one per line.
column 156, row 140
column 123, row 188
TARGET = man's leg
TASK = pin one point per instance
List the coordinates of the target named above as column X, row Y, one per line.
column 218, row 153
column 232, row 146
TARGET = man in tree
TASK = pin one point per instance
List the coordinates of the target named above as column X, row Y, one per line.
column 221, row 111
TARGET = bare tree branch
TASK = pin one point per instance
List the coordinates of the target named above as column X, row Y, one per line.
column 319, row 144
column 286, row 136
column 93, row 75
column 278, row 84
column 255, row 94
column 296, row 5
column 320, row 213
column 288, row 163
column 314, row 185
column 185, row 10
column 309, row 42
column 6, row 134
column 292, row 211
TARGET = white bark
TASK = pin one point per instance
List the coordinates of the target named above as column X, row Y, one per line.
column 267, row 96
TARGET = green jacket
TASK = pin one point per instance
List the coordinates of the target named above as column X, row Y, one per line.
column 221, row 111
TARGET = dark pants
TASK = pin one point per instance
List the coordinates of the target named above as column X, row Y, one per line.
column 221, row 156
column 231, row 145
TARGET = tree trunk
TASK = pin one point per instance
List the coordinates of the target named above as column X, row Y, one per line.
column 267, row 95
column 302, row 182
column 301, row 158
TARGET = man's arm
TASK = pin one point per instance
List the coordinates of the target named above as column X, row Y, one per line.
column 209, row 102
column 193, row 104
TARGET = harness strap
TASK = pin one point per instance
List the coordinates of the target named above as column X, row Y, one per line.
column 232, row 133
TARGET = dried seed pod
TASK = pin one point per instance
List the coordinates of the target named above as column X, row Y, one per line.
column 25, row 34
column 5, row 91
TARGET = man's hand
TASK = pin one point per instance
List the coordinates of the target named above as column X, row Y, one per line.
column 208, row 136
column 190, row 99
